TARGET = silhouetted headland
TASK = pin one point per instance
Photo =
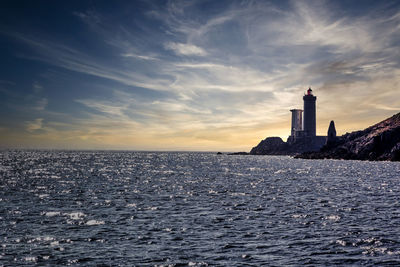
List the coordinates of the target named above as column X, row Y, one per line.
column 378, row 142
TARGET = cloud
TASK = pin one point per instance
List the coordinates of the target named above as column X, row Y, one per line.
column 63, row 56
column 112, row 108
column 177, row 116
column 185, row 49
column 139, row 56
column 90, row 17
column 37, row 87
column 206, row 76
column 41, row 104
column 32, row 126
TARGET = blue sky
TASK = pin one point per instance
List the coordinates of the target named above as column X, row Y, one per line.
column 191, row 75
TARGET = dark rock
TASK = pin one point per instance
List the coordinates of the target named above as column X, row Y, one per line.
column 276, row 146
column 239, row 153
column 331, row 138
column 270, row 146
column 395, row 152
column 378, row 142
column 219, row 153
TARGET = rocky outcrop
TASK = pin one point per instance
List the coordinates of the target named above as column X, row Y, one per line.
column 270, row 146
column 331, row 138
column 378, row 142
column 276, row 146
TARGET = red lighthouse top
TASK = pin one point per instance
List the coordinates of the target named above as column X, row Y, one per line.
column 309, row 91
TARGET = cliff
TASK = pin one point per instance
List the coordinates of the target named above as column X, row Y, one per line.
column 378, row 142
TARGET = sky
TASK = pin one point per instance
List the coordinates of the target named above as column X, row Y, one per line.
column 191, row 75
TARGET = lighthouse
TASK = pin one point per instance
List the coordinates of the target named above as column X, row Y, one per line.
column 303, row 133
column 309, row 120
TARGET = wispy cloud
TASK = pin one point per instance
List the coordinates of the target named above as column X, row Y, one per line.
column 144, row 57
column 37, row 87
column 185, row 49
column 71, row 59
column 32, row 126
column 41, row 104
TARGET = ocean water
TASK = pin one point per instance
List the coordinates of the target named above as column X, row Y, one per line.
column 195, row 209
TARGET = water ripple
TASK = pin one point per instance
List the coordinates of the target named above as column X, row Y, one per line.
column 195, row 209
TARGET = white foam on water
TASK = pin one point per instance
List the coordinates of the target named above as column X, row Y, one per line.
column 238, row 194
column 297, row 216
column 393, row 252
column 75, row 215
column 15, row 212
column 372, row 240
column 48, row 238
column 341, row 242
column 373, row 250
column 51, row 213
column 131, row 205
column 94, row 222
column 332, row 218
column 302, row 171
column 39, row 238
column 30, row 259
column 191, row 263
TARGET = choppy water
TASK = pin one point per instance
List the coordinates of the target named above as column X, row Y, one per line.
column 195, row 209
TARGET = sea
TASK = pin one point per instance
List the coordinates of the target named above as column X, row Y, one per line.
column 121, row 208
